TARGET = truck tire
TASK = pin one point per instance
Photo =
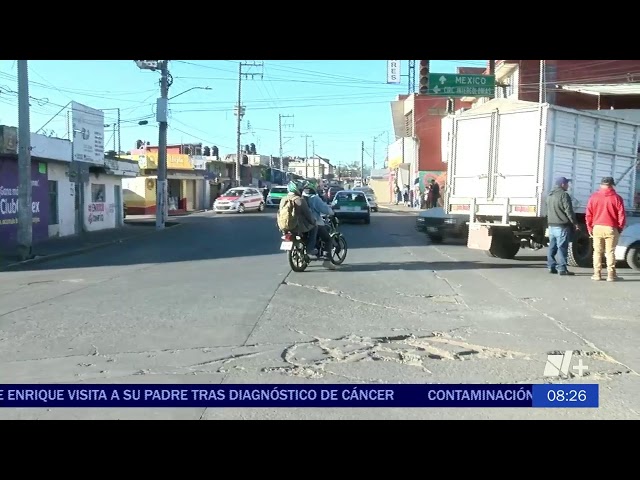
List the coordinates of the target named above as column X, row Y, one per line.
column 633, row 257
column 581, row 249
column 504, row 244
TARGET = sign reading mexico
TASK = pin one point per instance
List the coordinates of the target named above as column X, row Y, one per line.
column 88, row 134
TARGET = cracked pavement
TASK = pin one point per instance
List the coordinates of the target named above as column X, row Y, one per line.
column 213, row 301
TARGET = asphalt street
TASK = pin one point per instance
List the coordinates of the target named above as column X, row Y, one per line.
column 214, row 301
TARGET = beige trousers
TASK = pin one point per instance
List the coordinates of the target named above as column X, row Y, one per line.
column 605, row 241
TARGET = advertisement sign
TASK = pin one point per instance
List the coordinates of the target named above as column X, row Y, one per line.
column 9, row 202
column 88, row 134
column 393, row 71
column 175, row 161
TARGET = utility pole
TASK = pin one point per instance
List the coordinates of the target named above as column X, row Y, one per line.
column 542, row 95
column 280, row 127
column 306, row 156
column 362, row 164
column 313, row 154
column 25, row 212
column 373, row 153
column 162, row 207
column 119, row 142
column 240, row 111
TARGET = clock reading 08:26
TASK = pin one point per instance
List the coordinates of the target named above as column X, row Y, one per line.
column 567, row 396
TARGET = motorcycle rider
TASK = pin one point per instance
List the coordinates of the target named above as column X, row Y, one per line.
column 318, row 208
column 303, row 219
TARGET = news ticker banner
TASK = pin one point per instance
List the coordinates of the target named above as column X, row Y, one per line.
column 299, row 395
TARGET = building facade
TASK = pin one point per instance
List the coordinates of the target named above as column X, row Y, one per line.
column 312, row 167
column 416, row 155
column 579, row 84
column 67, row 197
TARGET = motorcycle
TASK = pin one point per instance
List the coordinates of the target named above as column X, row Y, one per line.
column 296, row 246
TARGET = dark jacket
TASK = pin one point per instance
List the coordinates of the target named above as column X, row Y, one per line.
column 560, row 209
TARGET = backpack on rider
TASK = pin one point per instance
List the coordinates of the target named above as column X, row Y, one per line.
column 287, row 221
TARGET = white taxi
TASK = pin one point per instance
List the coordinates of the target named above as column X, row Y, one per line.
column 240, row 200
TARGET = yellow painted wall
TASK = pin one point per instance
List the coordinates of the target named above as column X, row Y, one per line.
column 136, row 191
column 381, row 189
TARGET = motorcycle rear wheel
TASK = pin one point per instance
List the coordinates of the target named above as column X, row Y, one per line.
column 298, row 258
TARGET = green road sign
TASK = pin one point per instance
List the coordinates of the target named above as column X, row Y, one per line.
column 461, row 85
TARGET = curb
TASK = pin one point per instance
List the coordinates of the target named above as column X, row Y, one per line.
column 398, row 212
column 78, row 251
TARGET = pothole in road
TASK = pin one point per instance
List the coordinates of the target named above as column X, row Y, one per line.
column 311, row 359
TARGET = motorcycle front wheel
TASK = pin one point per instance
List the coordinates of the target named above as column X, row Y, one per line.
column 298, row 258
column 338, row 249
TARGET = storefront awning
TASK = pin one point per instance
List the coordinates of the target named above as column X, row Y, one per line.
column 604, row 88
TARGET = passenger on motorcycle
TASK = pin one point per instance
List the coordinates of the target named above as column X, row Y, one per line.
column 294, row 214
column 318, row 208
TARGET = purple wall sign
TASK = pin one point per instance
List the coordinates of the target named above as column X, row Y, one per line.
column 9, row 202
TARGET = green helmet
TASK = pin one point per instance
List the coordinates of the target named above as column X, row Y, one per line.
column 311, row 185
column 294, row 187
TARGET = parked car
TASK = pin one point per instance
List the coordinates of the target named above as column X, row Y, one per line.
column 351, row 205
column 628, row 249
column 440, row 226
column 331, row 192
column 239, row 200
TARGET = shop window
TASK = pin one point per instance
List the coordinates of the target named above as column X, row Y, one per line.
column 98, row 193
column 53, row 202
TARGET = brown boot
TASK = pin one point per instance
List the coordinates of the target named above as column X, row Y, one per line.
column 596, row 276
column 613, row 277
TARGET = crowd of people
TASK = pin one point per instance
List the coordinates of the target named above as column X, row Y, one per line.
column 429, row 198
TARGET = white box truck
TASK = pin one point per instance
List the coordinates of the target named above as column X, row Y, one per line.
column 504, row 157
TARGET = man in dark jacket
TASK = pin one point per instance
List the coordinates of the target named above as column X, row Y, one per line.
column 561, row 219
column 606, row 218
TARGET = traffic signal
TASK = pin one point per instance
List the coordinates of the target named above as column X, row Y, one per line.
column 214, row 151
column 207, row 151
column 424, row 77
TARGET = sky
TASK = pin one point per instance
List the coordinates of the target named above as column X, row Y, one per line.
column 338, row 104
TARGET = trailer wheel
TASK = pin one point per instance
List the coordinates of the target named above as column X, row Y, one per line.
column 581, row 249
column 633, row 257
column 504, row 244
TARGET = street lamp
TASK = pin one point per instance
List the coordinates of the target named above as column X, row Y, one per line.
column 188, row 90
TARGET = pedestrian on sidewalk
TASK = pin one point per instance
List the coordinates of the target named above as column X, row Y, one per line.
column 606, row 218
column 561, row 220
column 398, row 194
column 434, row 194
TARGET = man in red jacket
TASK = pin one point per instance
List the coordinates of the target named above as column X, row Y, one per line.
column 605, row 217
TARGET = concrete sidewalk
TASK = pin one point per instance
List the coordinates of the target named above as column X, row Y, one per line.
column 402, row 209
column 75, row 244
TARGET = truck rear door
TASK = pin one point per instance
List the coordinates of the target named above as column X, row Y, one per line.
column 517, row 171
column 471, row 144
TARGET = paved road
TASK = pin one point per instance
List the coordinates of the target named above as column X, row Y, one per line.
column 213, row 300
